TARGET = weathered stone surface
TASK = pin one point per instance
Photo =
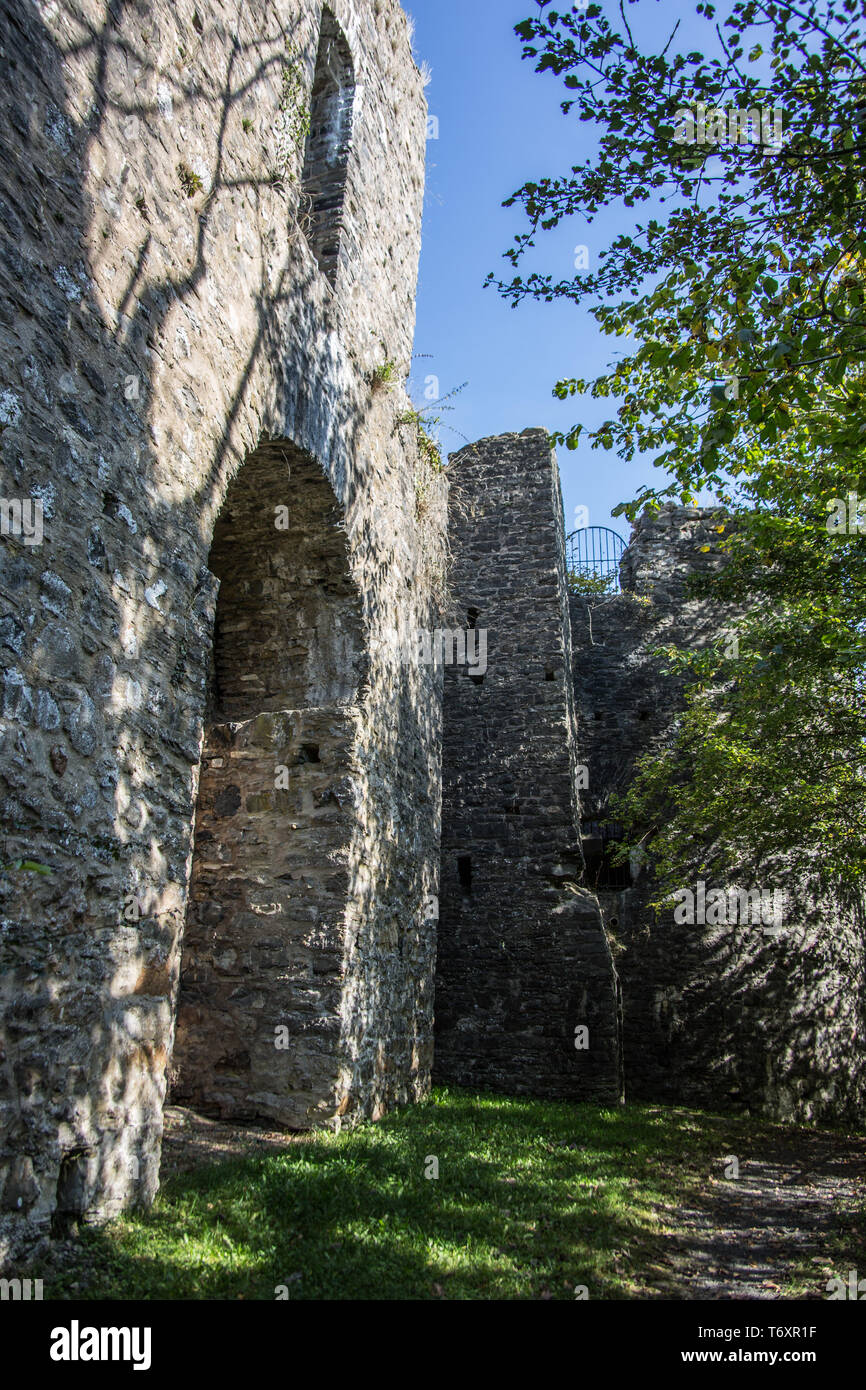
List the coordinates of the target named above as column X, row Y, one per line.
column 164, row 316
column 263, row 949
column 712, row 1015
column 207, row 734
column 523, row 961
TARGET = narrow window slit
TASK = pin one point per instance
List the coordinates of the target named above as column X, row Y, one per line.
column 326, row 159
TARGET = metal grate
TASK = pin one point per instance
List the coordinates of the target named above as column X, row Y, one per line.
column 592, row 555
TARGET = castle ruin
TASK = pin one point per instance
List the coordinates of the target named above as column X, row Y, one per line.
column 230, row 808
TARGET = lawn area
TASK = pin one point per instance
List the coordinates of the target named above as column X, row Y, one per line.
column 533, row 1198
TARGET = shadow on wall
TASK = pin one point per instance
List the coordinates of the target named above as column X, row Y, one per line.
column 137, row 385
column 733, row 1016
column 723, row 1015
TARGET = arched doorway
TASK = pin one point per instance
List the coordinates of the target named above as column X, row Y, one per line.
column 260, row 992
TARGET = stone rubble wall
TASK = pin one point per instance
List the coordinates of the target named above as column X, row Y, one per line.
column 165, row 324
column 713, row 1016
column 263, row 948
column 161, row 316
column 523, row 961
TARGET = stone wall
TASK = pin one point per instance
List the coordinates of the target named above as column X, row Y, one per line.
column 523, row 962
column 718, row 1016
column 219, row 777
column 262, row 977
column 163, row 315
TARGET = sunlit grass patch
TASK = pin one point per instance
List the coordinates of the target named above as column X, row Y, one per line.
column 534, row 1199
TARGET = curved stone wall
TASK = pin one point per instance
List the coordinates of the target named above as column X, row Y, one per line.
column 163, row 314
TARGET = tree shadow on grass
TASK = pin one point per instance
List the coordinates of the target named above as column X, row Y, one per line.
column 532, row 1201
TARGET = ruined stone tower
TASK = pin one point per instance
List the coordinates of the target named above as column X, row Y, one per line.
column 523, row 965
column 211, row 223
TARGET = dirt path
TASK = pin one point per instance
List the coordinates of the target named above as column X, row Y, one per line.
column 190, row 1140
column 792, row 1220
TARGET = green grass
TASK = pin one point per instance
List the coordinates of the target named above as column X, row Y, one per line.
column 533, row 1198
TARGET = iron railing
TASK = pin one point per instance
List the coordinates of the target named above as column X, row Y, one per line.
column 592, row 558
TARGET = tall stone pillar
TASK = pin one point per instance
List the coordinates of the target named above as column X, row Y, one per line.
column 526, row 995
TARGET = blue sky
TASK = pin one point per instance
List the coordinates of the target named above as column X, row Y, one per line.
column 500, row 124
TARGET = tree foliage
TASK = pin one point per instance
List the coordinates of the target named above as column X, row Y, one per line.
column 742, row 289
